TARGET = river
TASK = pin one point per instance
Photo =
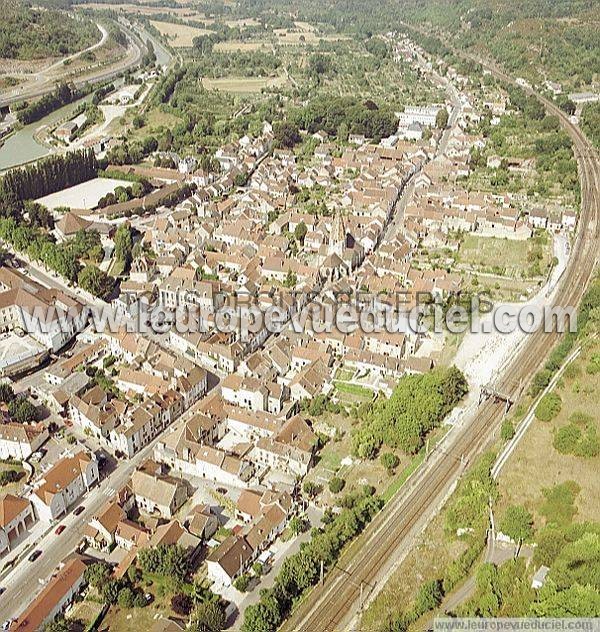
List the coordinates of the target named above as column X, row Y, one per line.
column 22, row 147
column 163, row 56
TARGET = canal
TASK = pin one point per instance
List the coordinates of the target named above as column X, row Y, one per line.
column 21, row 146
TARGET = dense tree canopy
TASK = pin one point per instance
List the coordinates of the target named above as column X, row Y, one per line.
column 27, row 33
column 418, row 405
column 329, row 113
column 62, row 95
column 46, row 176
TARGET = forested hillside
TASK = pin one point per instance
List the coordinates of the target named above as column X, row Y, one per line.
column 538, row 39
column 27, row 33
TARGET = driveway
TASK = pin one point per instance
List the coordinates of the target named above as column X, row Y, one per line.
column 281, row 550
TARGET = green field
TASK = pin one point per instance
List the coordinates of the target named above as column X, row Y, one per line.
column 511, row 258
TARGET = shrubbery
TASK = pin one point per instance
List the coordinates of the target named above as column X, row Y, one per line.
column 548, row 407
column 418, row 405
column 170, row 560
column 301, row 570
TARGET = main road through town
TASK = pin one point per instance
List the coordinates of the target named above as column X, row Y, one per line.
column 336, row 604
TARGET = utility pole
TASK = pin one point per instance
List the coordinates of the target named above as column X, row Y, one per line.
column 322, row 573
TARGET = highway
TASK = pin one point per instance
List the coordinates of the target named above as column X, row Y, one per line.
column 44, row 81
column 356, row 577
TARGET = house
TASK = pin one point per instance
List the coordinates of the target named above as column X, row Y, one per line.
column 538, row 218
column 189, row 450
column 174, row 533
column 48, row 315
column 569, row 220
column 290, row 451
column 248, row 505
column 63, row 485
column 66, row 130
column 202, row 523
column 357, row 139
column 70, row 224
column 20, row 441
column 157, row 493
column 16, row 516
column 539, row 577
column 101, row 529
column 95, row 413
column 310, row 381
column 58, row 593
column 252, row 504
column 579, row 98
column 414, row 131
column 130, row 535
column 229, row 560
column 494, row 162
column 425, row 115
column 264, row 531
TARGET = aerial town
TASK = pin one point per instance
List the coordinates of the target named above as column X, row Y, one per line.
column 169, row 458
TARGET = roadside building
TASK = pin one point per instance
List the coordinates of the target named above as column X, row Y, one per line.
column 64, row 484
column 20, row 441
column 54, row 598
column 156, row 493
column 16, row 516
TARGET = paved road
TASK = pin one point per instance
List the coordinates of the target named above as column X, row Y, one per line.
column 397, row 221
column 27, row 579
column 37, row 81
column 44, row 81
column 361, row 570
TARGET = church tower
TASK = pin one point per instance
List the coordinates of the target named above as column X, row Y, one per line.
column 337, row 237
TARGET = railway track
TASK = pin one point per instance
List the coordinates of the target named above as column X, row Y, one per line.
column 329, row 607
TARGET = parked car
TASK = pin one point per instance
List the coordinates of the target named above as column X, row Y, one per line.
column 33, row 557
column 60, row 529
column 2, row 590
column 79, row 510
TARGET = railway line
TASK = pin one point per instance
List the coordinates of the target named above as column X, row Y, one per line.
column 331, row 606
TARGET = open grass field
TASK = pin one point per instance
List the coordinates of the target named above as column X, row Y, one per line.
column 179, row 35
column 333, row 460
column 125, row 620
column 305, row 26
column 353, row 393
column 241, row 23
column 537, row 465
column 243, row 85
column 85, row 612
column 13, row 488
column 153, row 119
column 510, row 258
